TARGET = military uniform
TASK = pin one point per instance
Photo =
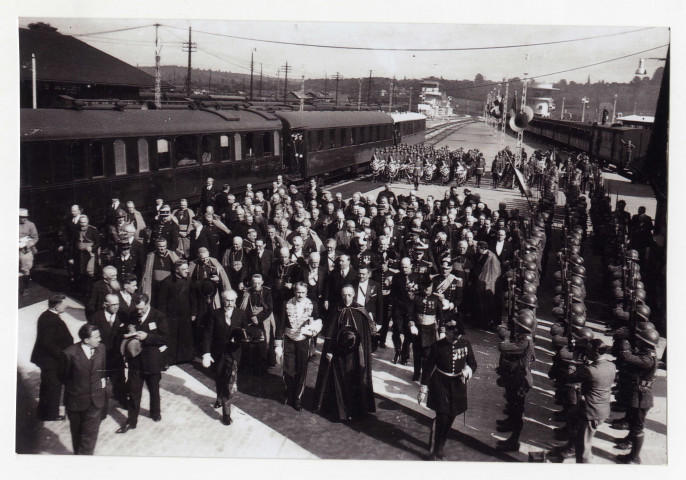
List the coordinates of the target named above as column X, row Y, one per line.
column 403, row 289
column 168, row 230
column 447, row 387
column 427, row 315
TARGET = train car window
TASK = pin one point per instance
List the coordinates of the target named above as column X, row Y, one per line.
column 78, row 159
column 354, row 135
column 320, row 140
column 186, row 150
column 332, row 138
column 343, row 136
column 207, row 143
column 97, row 157
column 163, row 154
column 225, row 148
column 143, row 160
column 119, row 157
column 35, row 163
column 266, row 144
column 277, row 144
column 249, row 140
column 238, row 142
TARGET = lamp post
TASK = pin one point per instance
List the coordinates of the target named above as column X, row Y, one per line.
column 614, row 110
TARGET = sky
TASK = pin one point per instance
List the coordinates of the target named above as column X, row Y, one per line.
column 216, row 51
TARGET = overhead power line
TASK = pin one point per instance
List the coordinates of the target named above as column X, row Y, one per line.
column 111, row 31
column 449, row 49
column 560, row 71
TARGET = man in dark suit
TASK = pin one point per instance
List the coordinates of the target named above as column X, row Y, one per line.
column 199, row 237
column 368, row 295
column 51, row 339
column 110, row 322
column 339, row 278
column 145, row 341
column 207, row 197
column 503, row 249
column 177, row 302
column 316, row 276
column 129, row 286
column 222, row 340
column 108, row 284
column 83, row 371
column 260, row 259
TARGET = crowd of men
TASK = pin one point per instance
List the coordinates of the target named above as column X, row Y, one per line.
column 251, row 281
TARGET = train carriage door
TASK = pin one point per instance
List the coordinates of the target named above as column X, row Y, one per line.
column 208, row 146
column 97, row 159
column 277, row 143
column 238, row 143
column 225, row 150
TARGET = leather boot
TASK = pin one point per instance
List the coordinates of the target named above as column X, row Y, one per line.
column 634, row 457
column 509, row 445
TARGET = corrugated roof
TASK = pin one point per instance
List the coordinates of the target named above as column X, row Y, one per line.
column 55, row 124
column 63, row 58
column 333, row 119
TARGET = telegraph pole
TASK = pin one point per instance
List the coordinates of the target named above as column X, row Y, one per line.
column 562, row 113
column 302, row 94
column 285, row 85
column 158, row 78
column 260, row 79
column 326, row 79
column 409, row 105
column 209, row 84
column 278, row 79
column 390, row 103
column 337, row 77
column 369, row 88
column 189, row 47
column 252, row 63
column 359, row 94
column 614, row 109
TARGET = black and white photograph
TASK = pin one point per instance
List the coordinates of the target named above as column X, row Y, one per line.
column 421, row 238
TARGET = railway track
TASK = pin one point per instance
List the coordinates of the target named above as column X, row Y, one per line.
column 445, row 131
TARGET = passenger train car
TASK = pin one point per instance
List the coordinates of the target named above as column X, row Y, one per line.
column 410, row 127
column 86, row 156
column 616, row 146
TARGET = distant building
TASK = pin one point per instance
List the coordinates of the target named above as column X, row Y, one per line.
column 434, row 103
column 68, row 66
column 540, row 96
column 636, row 121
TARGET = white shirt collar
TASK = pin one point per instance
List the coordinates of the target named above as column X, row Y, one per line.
column 87, row 350
column 145, row 316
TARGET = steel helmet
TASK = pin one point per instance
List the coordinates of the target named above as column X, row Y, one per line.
column 558, row 301
column 637, row 275
column 576, row 260
column 558, row 276
column 578, row 230
column 578, row 308
column 558, row 290
column 557, row 329
column 640, row 294
column 526, row 311
column 529, row 288
column 574, row 250
column 528, row 300
column 650, row 337
column 583, row 333
column 531, row 266
column 529, row 277
column 577, row 281
column 639, row 284
column 530, row 257
column 617, row 283
column 525, row 322
column 559, row 312
column 537, row 234
column 632, row 255
column 643, row 311
column 577, row 294
column 577, row 321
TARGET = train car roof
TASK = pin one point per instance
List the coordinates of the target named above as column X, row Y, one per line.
column 316, row 120
column 56, row 124
column 406, row 116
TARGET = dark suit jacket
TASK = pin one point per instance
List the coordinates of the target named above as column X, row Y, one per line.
column 507, row 253
column 203, row 240
column 207, row 197
column 261, row 265
column 111, row 337
column 217, row 337
column 336, row 283
column 373, row 300
column 52, row 338
column 319, row 291
column 83, row 378
column 100, row 291
column 150, row 360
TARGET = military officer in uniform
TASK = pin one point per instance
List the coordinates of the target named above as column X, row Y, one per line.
column 449, row 366
column 165, row 227
column 514, row 370
column 425, row 320
column 403, row 289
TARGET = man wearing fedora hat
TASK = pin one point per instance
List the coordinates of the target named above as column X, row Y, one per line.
column 344, row 381
column 28, row 237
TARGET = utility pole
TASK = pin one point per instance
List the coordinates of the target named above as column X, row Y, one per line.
column 209, row 84
column 325, row 83
column 337, row 77
column 409, row 104
column 33, row 81
column 369, row 87
column 390, row 103
column 285, row 85
column 302, row 94
column 252, row 63
column 614, row 109
column 260, row 79
column 278, row 80
column 158, row 78
column 359, row 94
column 189, row 47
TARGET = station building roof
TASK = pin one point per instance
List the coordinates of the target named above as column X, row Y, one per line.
column 65, row 59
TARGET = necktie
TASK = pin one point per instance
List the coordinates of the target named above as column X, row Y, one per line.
column 92, row 354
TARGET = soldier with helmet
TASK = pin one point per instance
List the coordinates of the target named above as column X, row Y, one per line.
column 641, row 365
column 514, row 370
